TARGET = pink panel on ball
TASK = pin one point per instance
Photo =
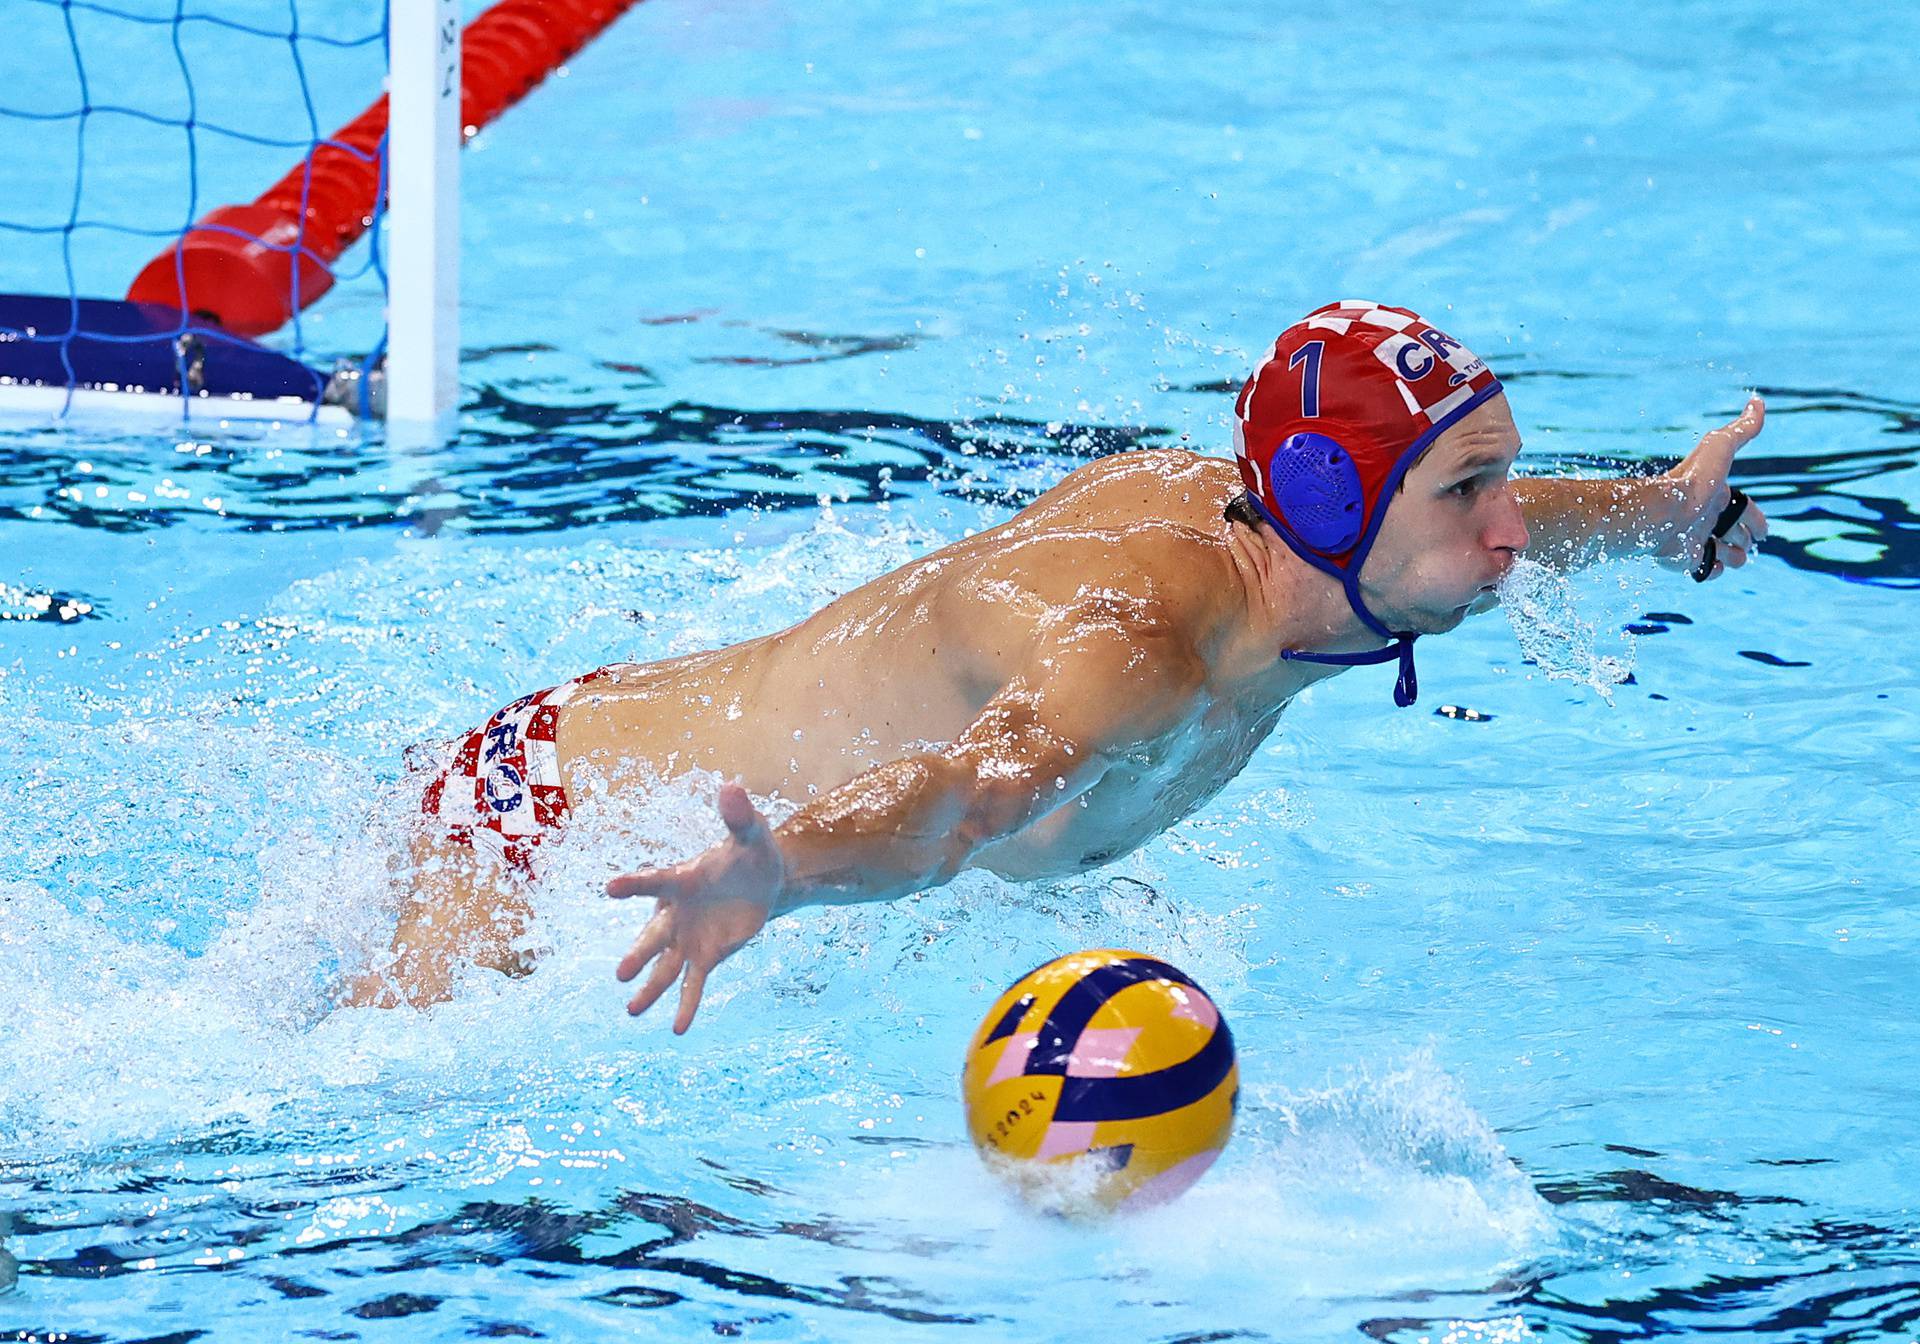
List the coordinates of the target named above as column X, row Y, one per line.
column 1173, row 1182
column 1013, row 1059
column 1196, row 1007
column 1101, row 1052
column 1066, row 1140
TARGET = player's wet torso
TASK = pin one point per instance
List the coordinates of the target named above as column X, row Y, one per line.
column 908, row 660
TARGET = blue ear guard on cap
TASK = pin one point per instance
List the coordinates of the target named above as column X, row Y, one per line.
column 1317, row 484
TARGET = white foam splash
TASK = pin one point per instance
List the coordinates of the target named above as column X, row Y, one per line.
column 197, row 859
column 1418, row 1168
column 1385, row 1176
column 148, row 993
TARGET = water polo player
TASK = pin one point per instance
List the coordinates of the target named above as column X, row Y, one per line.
column 1099, row 666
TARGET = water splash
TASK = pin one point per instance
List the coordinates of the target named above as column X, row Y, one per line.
column 171, row 935
column 1561, row 630
column 199, row 858
column 1397, row 1159
column 1384, row 1176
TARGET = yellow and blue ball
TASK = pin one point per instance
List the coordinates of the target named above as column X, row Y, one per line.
column 1112, row 1065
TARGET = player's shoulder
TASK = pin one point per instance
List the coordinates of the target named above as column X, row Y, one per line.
column 1154, row 470
column 1137, row 541
column 1167, row 493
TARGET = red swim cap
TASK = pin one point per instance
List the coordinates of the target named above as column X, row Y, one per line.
column 1329, row 423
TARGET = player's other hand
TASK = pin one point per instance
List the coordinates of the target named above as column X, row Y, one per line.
column 1707, row 534
column 706, row 907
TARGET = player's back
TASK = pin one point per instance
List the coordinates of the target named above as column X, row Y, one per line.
column 911, row 657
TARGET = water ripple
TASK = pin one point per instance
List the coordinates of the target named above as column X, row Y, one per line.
column 1841, row 505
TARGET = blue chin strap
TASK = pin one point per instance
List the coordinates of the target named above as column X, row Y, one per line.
column 1406, row 686
column 1316, row 482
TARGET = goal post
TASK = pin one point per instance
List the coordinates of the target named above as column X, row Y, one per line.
column 423, row 228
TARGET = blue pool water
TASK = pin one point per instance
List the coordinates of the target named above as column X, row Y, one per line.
column 1592, row 1021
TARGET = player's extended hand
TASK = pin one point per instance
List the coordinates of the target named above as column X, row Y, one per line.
column 1715, row 528
column 708, row 906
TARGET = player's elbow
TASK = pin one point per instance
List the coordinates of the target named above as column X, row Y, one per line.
column 1000, row 802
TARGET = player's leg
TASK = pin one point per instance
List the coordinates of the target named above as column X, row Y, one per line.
column 461, row 905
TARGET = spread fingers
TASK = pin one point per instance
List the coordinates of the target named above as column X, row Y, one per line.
column 690, row 991
column 649, row 882
column 664, row 972
column 645, row 948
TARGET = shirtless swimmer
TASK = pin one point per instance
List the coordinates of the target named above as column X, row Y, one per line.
column 1100, row 665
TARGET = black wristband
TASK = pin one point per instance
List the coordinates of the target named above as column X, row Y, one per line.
column 1707, row 557
column 1736, row 505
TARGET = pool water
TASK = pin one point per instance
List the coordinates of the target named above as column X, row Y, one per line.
column 1589, row 1017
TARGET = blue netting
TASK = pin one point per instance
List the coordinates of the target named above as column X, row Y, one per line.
column 175, row 110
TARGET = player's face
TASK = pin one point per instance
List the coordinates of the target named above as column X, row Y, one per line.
column 1453, row 529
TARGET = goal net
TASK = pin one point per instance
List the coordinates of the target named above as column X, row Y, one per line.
column 247, row 208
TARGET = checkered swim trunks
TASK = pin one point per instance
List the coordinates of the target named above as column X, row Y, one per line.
column 501, row 794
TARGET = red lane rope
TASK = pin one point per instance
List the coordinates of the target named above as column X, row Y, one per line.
column 237, row 265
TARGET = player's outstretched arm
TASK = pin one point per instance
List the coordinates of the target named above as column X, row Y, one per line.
column 915, row 822
column 1683, row 516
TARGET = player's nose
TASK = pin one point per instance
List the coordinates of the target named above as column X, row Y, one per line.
column 1508, row 531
